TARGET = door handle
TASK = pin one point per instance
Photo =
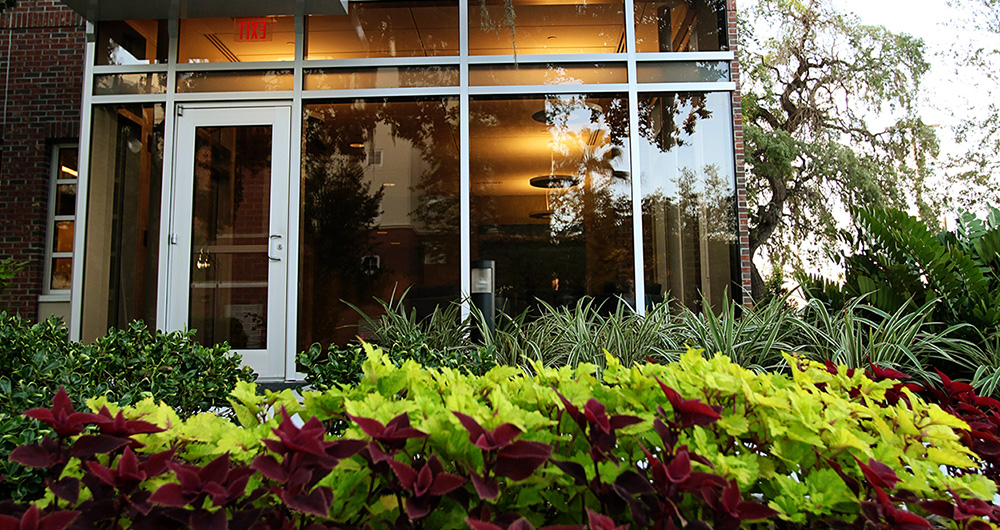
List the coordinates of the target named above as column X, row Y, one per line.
column 274, row 247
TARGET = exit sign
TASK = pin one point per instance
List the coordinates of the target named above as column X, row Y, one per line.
column 250, row 29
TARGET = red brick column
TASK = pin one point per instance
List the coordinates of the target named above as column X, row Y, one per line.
column 741, row 187
column 42, row 46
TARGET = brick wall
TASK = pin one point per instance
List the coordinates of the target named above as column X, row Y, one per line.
column 41, row 75
column 741, row 188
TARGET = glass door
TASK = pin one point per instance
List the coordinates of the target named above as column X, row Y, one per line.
column 228, row 243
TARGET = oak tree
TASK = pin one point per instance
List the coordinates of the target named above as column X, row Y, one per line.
column 829, row 120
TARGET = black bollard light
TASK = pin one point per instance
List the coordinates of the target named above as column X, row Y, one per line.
column 482, row 295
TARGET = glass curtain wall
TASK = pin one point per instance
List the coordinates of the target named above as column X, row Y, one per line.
column 123, row 217
column 376, row 96
column 552, row 198
column 688, row 198
column 379, row 211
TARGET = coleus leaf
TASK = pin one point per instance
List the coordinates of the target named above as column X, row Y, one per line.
column 679, row 468
column 393, row 435
column 487, row 440
column 205, row 520
column 486, row 487
column 602, row 522
column 878, row 474
column 87, row 446
column 32, row 456
column 67, row 488
column 574, row 470
column 317, row 502
column 520, row 459
column 62, row 417
column 31, row 519
column 117, row 425
column 690, row 412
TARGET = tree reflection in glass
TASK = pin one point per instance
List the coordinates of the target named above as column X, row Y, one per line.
column 551, row 198
column 688, row 193
column 380, row 211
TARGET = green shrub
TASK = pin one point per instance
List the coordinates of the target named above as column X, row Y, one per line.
column 126, row 366
column 821, row 447
column 8, row 270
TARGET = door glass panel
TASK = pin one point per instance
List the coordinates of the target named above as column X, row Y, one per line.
column 229, row 235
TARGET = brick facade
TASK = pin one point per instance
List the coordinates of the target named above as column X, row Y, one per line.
column 742, row 215
column 41, row 72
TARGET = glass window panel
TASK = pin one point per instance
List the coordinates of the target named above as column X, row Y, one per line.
column 678, row 72
column 65, row 199
column 62, row 240
column 241, row 81
column 68, row 163
column 681, row 26
column 547, row 74
column 687, row 177
column 381, row 77
column 229, row 235
column 234, row 40
column 132, row 42
column 552, row 198
column 553, row 26
column 123, row 217
column 62, row 274
column 380, row 211
column 148, row 83
column 385, row 29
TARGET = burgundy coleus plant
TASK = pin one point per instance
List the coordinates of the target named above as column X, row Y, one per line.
column 689, row 412
column 600, row 432
column 729, row 509
column 885, row 511
column 502, row 455
column 387, row 439
column 426, row 487
column 217, row 481
column 519, row 524
column 33, row 519
column 305, row 459
column 600, row 428
column 968, row 514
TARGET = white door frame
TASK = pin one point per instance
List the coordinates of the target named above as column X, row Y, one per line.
column 269, row 363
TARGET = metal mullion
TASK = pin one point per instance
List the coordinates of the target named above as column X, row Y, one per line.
column 382, row 61
column 83, row 169
column 726, row 86
column 549, row 58
column 128, row 98
column 548, row 89
column 684, row 56
column 164, row 258
column 129, row 69
column 187, row 97
column 634, row 159
column 465, row 172
column 218, row 67
column 380, row 92
column 292, row 191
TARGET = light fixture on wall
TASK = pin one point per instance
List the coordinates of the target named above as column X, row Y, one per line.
column 555, row 182
column 567, row 112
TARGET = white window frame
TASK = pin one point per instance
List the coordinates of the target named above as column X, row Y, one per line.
column 48, row 293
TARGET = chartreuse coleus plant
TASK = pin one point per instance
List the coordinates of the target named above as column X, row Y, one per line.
column 698, row 442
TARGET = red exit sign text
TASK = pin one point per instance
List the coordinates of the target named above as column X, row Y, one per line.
column 250, row 29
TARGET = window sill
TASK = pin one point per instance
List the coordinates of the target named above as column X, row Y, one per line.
column 54, row 297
